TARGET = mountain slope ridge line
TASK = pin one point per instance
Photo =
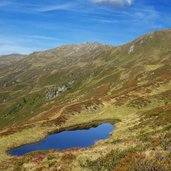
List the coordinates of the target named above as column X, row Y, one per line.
column 77, row 84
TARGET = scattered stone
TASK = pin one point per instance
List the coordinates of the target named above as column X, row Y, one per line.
column 54, row 92
column 131, row 49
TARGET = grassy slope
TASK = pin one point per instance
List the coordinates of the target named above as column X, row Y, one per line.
column 110, row 83
column 7, row 60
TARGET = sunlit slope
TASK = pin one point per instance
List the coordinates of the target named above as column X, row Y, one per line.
column 7, row 60
column 133, row 74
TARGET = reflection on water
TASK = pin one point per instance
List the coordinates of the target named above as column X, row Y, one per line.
column 67, row 139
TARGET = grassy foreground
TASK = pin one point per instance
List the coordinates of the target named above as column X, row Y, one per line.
column 136, row 144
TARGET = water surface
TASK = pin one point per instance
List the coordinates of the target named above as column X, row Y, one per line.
column 67, row 139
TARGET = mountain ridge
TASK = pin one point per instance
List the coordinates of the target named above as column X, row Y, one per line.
column 151, row 35
column 62, row 88
column 43, row 68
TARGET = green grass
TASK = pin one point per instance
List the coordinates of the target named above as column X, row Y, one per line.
column 133, row 90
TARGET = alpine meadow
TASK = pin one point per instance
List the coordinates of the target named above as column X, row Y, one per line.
column 121, row 91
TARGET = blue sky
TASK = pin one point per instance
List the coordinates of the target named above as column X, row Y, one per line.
column 33, row 25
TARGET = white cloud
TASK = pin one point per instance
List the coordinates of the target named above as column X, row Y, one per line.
column 26, row 44
column 9, row 49
column 113, row 2
column 55, row 7
column 38, row 37
column 9, row 5
column 10, row 45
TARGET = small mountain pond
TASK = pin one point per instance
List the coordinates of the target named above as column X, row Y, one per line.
column 67, row 139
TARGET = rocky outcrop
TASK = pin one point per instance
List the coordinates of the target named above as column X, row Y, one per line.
column 54, row 91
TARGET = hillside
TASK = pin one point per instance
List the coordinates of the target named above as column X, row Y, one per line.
column 79, row 84
column 7, row 60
